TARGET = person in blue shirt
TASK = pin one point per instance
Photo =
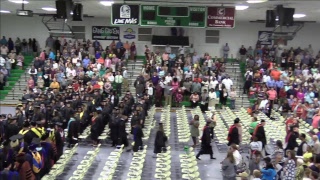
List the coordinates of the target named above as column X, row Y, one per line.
column 271, row 83
column 85, row 62
column 279, row 84
column 119, row 44
column 172, row 58
column 268, row 173
column 52, row 56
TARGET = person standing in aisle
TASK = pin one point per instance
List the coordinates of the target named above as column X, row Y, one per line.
column 118, row 80
column 194, row 130
column 206, row 147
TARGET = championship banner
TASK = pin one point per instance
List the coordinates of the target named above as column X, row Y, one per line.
column 221, row 17
column 105, row 33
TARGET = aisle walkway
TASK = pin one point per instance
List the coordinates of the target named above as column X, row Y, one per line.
column 209, row 169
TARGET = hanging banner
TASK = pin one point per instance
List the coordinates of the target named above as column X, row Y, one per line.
column 105, row 33
column 125, row 14
column 221, row 17
column 264, row 37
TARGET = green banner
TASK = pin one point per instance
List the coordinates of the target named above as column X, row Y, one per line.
column 153, row 15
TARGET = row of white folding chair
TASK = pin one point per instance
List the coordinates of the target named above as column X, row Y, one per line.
column 104, row 135
column 189, row 166
column 183, row 126
column 149, row 123
column 59, row 166
column 85, row 134
column 163, row 165
column 85, row 164
column 137, row 163
column 111, row 164
column 165, row 120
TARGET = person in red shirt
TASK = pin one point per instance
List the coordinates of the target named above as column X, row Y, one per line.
column 291, row 121
column 275, row 74
column 282, row 96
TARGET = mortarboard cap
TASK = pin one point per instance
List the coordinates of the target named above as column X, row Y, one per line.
column 26, row 124
column 36, row 106
column 59, row 124
column 35, row 141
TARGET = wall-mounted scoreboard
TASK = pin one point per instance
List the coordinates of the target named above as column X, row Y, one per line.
column 154, row 15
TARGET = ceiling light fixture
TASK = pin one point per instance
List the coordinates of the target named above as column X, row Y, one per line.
column 299, row 15
column 256, row 1
column 4, row 11
column 241, row 7
column 106, row 3
column 51, row 9
column 19, row 1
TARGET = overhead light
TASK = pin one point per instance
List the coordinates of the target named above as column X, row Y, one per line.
column 71, row 13
column 299, row 15
column 4, row 11
column 256, row 1
column 106, row 3
column 241, row 7
column 19, row 1
column 49, row 9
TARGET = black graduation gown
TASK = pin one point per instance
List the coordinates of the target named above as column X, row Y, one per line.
column 73, row 131
column 138, row 134
column 105, row 115
column 292, row 141
column 10, row 130
column 234, row 137
column 113, row 125
column 134, row 120
column 206, row 142
column 59, row 144
column 96, row 127
column 261, row 135
column 122, row 136
column 159, row 142
column 49, row 156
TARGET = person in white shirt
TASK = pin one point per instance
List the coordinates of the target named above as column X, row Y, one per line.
column 125, row 79
column 168, row 49
column 266, row 78
column 111, row 78
column 71, row 72
column 187, row 74
column 181, row 50
column 168, row 78
column 228, row 83
column 150, row 92
column 213, row 83
column 305, row 72
column 2, row 61
column 75, row 59
column 55, row 65
column 33, row 71
column 118, row 80
column 263, row 104
column 236, row 154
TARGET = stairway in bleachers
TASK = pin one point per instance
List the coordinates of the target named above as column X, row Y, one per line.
column 16, row 83
column 233, row 70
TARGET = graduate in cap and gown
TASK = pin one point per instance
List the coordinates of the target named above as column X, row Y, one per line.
column 114, row 126
column 160, row 140
column 11, row 128
column 8, row 172
column 137, row 137
column 59, row 139
column 122, row 136
column 96, row 125
column 73, row 130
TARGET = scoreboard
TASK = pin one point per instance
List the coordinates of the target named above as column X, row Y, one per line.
column 154, row 15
